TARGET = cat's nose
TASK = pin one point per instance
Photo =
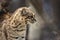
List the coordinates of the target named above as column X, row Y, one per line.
column 34, row 19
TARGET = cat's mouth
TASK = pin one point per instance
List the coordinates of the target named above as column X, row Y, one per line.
column 32, row 20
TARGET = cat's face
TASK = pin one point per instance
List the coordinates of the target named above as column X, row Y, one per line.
column 30, row 16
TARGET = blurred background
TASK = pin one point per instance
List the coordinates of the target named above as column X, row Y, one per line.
column 47, row 14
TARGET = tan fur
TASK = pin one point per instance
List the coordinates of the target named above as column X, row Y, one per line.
column 15, row 26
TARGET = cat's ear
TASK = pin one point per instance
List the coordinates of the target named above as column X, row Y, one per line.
column 24, row 12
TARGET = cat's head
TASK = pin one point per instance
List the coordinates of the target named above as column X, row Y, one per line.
column 30, row 16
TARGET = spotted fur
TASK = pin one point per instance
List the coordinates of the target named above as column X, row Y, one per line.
column 15, row 26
